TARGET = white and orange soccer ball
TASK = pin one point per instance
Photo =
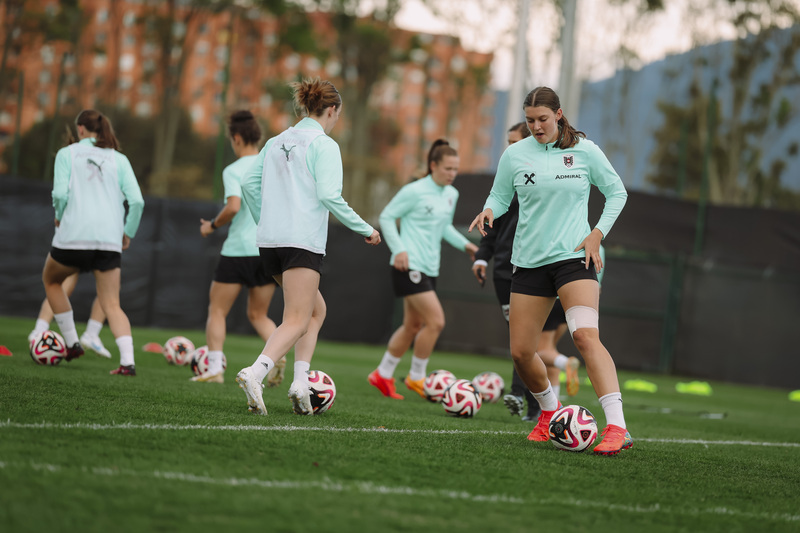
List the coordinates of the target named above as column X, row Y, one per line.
column 436, row 383
column 178, row 350
column 199, row 361
column 462, row 399
column 490, row 385
column 323, row 391
column 48, row 348
column 573, row 428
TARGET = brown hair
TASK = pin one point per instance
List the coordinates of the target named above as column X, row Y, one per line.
column 547, row 97
column 314, row 96
column 438, row 151
column 244, row 124
column 95, row 122
column 521, row 128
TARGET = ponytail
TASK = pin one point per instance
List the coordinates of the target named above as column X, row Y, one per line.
column 95, row 122
column 568, row 136
column 438, row 151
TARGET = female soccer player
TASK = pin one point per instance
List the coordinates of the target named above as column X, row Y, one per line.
column 239, row 263
column 291, row 187
column 92, row 180
column 425, row 209
column 554, row 248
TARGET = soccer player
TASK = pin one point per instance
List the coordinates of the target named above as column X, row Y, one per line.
column 425, row 209
column 92, row 180
column 290, row 189
column 90, row 340
column 239, row 264
column 556, row 253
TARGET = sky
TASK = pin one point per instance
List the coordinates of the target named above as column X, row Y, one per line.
column 601, row 28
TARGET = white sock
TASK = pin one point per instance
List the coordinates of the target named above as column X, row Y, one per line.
column 93, row 328
column 556, row 389
column 40, row 326
column 547, row 400
column 612, row 407
column 67, row 326
column 215, row 362
column 388, row 365
column 262, row 366
column 125, row 345
column 300, row 371
column 561, row 361
column 418, row 368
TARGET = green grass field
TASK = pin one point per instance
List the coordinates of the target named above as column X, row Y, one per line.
column 84, row 451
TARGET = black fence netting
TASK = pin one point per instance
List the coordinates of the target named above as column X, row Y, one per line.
column 723, row 314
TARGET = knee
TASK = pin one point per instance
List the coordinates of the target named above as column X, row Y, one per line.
column 412, row 326
column 437, row 324
column 254, row 315
column 521, row 354
column 585, row 338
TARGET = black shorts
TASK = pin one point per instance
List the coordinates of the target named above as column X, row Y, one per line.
column 411, row 282
column 556, row 317
column 546, row 280
column 87, row 260
column 247, row 271
column 276, row 261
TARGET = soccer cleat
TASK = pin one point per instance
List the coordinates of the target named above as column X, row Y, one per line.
column 415, row 386
column 573, row 383
column 386, row 386
column 615, row 439
column 74, row 351
column 514, row 404
column 208, row 377
column 124, row 370
column 275, row 376
column 253, row 390
column 541, row 433
column 32, row 337
column 93, row 343
column 300, row 395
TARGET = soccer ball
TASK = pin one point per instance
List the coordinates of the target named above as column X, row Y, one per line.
column 199, row 361
column 461, row 399
column 490, row 385
column 178, row 350
column 48, row 348
column 435, row 384
column 573, row 428
column 323, row 391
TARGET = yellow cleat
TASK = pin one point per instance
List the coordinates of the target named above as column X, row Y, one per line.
column 573, row 383
column 209, row 378
column 416, row 386
column 275, row 376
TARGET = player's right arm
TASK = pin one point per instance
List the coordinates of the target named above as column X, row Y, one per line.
column 251, row 183
column 133, row 194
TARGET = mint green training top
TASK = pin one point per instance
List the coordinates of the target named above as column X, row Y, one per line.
column 241, row 240
column 291, row 187
column 90, row 185
column 553, row 187
column 426, row 211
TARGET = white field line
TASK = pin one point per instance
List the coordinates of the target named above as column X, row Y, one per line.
column 366, row 487
column 200, row 427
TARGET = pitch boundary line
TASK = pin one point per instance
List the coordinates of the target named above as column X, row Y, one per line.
column 367, row 487
column 333, row 429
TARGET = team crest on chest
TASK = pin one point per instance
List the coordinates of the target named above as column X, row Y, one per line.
column 569, row 160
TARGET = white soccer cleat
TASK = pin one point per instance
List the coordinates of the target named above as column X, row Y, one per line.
column 253, row 390
column 300, row 395
column 93, row 343
column 31, row 337
column 208, row 377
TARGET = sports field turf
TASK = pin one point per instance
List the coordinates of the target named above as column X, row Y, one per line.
column 84, row 451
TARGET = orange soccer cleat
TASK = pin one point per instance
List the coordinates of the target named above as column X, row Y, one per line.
column 541, row 433
column 573, row 384
column 386, row 386
column 615, row 439
column 416, row 386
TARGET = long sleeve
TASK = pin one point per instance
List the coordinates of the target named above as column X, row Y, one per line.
column 606, row 179
column 133, row 194
column 325, row 163
column 502, row 189
column 61, row 176
column 401, row 204
column 455, row 238
column 251, row 184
